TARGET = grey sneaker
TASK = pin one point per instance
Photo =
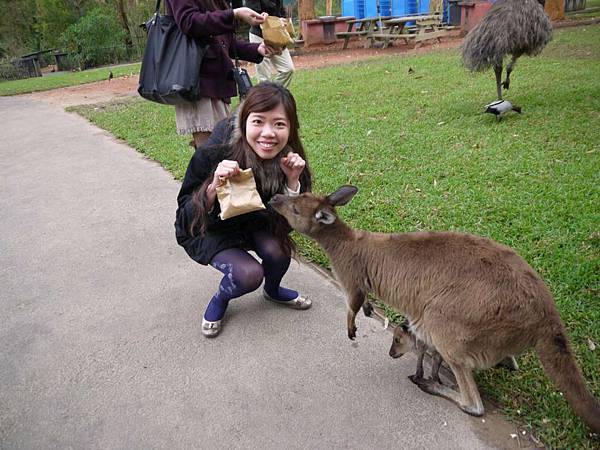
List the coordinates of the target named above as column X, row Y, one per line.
column 210, row 329
column 296, row 303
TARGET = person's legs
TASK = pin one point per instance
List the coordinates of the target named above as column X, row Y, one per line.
column 242, row 274
column 275, row 264
column 284, row 66
column 199, row 118
column 264, row 70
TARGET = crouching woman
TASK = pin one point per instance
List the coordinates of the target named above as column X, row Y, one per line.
column 265, row 139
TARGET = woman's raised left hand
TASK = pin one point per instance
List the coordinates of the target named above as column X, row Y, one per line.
column 292, row 166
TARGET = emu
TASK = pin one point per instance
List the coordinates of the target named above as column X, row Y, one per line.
column 510, row 27
column 474, row 300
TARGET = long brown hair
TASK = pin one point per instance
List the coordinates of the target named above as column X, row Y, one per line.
column 269, row 177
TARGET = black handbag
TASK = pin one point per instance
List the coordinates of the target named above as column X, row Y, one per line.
column 170, row 72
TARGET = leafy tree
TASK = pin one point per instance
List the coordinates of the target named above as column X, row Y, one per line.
column 97, row 38
column 18, row 33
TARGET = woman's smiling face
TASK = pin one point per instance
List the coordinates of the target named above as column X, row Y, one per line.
column 268, row 132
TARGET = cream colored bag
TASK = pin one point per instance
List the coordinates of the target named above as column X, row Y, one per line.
column 275, row 33
column 238, row 195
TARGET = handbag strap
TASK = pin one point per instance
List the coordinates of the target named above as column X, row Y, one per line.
column 235, row 28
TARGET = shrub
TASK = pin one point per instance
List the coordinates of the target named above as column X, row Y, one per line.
column 97, row 38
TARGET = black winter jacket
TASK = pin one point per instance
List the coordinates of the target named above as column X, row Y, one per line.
column 220, row 234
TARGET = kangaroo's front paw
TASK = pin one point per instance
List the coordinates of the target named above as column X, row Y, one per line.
column 352, row 332
column 506, row 84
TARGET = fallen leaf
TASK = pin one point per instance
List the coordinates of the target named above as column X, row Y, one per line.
column 591, row 345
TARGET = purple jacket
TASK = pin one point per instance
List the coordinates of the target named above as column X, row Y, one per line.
column 214, row 28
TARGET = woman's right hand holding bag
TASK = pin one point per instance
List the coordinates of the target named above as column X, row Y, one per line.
column 224, row 170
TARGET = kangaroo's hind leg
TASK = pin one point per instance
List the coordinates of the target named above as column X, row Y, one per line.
column 436, row 362
column 420, row 348
column 467, row 398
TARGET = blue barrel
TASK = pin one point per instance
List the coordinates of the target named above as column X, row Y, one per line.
column 385, row 7
column 371, row 8
column 354, row 8
column 423, row 7
column 400, row 8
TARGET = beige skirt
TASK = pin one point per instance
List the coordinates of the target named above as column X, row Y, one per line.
column 200, row 116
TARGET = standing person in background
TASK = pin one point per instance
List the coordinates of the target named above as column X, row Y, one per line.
column 282, row 63
column 213, row 23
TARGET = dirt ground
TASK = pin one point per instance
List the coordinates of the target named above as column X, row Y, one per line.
column 304, row 58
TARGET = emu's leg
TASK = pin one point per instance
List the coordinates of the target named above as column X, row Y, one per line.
column 498, row 72
column 509, row 69
column 467, row 398
column 355, row 300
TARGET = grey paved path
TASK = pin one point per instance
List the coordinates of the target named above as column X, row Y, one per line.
column 100, row 344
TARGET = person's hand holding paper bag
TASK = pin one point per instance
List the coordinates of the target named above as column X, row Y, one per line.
column 275, row 32
column 238, row 195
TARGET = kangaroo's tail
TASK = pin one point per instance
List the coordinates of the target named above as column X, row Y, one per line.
column 558, row 361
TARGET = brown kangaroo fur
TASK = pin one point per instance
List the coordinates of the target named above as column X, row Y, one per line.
column 474, row 300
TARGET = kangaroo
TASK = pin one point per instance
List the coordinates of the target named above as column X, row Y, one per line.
column 472, row 299
column 404, row 341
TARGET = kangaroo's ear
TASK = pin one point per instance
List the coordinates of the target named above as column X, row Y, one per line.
column 342, row 196
column 324, row 216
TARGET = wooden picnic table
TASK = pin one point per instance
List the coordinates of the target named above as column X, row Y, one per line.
column 361, row 27
column 426, row 27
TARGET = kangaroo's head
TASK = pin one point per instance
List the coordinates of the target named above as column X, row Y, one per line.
column 309, row 213
column 403, row 342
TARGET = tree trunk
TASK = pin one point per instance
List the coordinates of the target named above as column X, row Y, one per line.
column 555, row 9
column 125, row 23
column 328, row 7
column 306, row 9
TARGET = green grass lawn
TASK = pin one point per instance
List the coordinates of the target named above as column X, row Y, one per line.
column 426, row 157
column 64, row 79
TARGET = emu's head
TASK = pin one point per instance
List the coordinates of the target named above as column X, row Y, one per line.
column 403, row 342
column 309, row 213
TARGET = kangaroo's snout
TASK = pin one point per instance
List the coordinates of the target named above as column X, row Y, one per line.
column 395, row 355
